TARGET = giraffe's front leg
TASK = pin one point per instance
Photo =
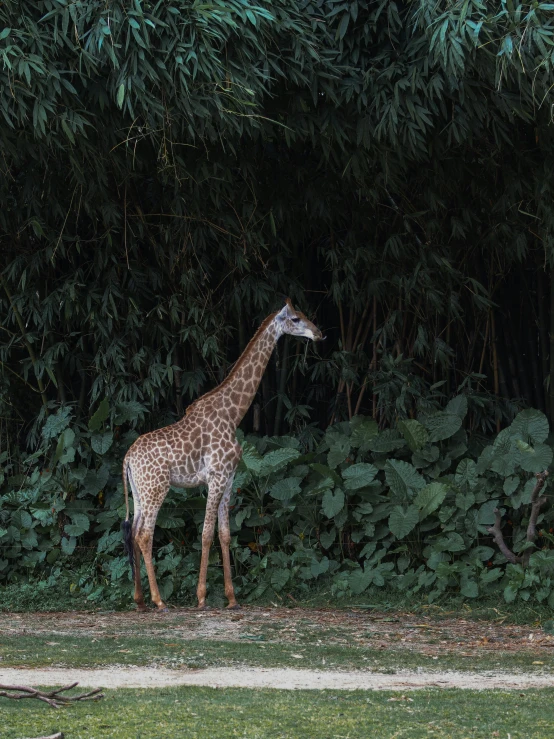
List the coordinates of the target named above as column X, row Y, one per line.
column 225, row 540
column 216, row 488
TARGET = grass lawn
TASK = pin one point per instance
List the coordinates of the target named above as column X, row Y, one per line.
column 207, row 712
column 76, row 651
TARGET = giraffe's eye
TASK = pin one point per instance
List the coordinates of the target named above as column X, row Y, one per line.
column 295, row 320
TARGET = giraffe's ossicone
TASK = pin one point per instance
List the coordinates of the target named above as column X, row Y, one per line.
column 201, row 448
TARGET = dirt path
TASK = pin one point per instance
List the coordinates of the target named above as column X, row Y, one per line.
column 282, row 679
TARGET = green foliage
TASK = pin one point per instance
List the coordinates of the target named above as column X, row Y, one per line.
column 415, row 521
column 169, row 169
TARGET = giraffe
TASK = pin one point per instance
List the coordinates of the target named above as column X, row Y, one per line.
column 200, row 448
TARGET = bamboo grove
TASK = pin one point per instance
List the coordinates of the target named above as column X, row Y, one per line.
column 169, row 171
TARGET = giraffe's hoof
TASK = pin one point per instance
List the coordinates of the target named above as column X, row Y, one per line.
column 141, row 607
column 202, row 607
column 162, row 609
column 233, row 607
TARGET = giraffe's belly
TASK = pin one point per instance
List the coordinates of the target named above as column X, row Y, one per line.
column 182, row 478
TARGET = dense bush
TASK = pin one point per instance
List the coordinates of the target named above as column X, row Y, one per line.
column 408, row 507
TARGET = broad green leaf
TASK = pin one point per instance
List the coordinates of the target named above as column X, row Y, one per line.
column 319, row 568
column 79, row 524
column 64, row 454
column 466, row 473
column 490, row 575
column 327, row 538
column 436, row 560
column 415, row 434
column 56, row 423
column 68, row 545
column 523, row 497
column 530, row 425
column 97, row 419
column 403, row 478
column 279, row 578
column 327, row 473
column 510, row 594
column 457, row 406
column 452, row 542
column 333, row 502
column 486, row 513
column 285, row 489
column 464, row 501
column 363, row 432
column 338, row 452
column 482, row 553
column 277, row 459
column 166, row 520
column 386, row 442
column 511, row 485
column 430, row 498
column 425, row 456
column 360, row 580
column 359, row 475
column 21, row 520
column 79, row 519
column 534, row 459
column 441, row 425
column 102, row 442
column 402, row 521
column 504, row 443
column 94, row 482
column 251, row 457
column 470, row 589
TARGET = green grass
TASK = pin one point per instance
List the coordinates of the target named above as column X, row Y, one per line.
column 25, row 597
column 75, row 651
column 202, row 713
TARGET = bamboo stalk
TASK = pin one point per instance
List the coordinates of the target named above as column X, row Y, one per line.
column 551, row 324
column 495, row 364
column 543, row 334
column 487, row 326
column 374, row 359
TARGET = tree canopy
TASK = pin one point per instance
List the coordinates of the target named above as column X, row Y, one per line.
column 169, row 170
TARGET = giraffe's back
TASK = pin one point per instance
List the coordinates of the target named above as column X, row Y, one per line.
column 184, row 453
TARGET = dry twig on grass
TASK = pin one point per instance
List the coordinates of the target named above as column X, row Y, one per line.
column 59, row 735
column 536, row 505
column 53, row 698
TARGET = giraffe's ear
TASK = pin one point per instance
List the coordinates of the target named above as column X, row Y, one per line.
column 287, row 311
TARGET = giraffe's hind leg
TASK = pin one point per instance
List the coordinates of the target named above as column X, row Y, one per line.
column 139, row 596
column 144, row 539
column 151, row 498
column 225, row 540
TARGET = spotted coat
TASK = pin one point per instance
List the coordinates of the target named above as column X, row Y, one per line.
column 202, row 448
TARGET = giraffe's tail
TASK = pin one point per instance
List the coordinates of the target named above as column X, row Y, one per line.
column 126, row 525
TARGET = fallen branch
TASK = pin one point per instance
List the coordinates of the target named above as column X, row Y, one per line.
column 53, row 698
column 536, row 505
column 59, row 735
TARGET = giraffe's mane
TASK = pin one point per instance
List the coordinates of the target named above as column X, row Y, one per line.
column 238, row 364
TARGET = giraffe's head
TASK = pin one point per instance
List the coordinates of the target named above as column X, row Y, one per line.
column 295, row 323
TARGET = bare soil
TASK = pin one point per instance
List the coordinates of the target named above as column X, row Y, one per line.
column 420, row 634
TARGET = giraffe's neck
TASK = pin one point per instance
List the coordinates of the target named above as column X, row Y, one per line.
column 237, row 391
